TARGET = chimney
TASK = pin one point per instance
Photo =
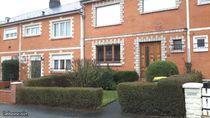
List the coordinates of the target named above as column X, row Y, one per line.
column 7, row 19
column 54, row 3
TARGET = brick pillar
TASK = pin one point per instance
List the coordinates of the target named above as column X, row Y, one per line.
column 14, row 86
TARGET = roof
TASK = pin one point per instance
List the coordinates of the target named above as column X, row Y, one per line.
column 47, row 12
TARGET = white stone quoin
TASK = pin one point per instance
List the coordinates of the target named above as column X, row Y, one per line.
column 193, row 101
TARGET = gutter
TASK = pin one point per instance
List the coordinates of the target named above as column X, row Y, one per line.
column 188, row 31
column 40, row 18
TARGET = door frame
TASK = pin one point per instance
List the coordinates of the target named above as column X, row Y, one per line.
column 137, row 43
column 29, row 63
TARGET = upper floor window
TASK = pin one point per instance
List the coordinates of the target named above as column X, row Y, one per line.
column 203, row 1
column 200, row 43
column 108, row 15
column 61, row 29
column 32, row 30
column 10, row 33
column 158, row 5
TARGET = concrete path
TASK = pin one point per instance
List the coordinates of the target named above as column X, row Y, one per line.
column 111, row 111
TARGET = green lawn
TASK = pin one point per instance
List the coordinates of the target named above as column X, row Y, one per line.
column 108, row 97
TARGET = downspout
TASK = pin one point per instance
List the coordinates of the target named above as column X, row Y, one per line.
column 19, row 49
column 82, row 34
column 188, row 31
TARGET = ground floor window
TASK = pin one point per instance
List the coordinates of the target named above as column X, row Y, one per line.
column 61, row 62
column 108, row 53
column 177, row 44
column 200, row 43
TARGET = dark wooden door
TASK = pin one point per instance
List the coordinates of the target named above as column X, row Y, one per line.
column 35, row 69
column 149, row 52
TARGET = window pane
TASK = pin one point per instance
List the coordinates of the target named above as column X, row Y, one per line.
column 62, row 29
column 154, row 5
column 68, row 31
column 117, row 53
column 55, row 64
column 100, row 54
column 201, row 43
column 108, row 15
column 177, row 44
column 62, row 64
column 68, row 64
column 108, row 53
column 56, row 29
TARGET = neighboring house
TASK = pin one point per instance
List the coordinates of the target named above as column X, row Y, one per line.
column 45, row 41
column 124, row 34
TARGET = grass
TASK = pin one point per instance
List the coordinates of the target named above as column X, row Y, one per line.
column 108, row 97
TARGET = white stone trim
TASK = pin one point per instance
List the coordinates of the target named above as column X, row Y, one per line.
column 137, row 34
column 59, row 53
column 204, row 49
column 177, row 38
column 106, row 3
column 200, row 29
column 31, row 24
column 110, row 42
column 137, row 42
column 140, row 8
column 28, row 56
column 57, row 20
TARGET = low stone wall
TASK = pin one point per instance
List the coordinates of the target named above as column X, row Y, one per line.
column 9, row 96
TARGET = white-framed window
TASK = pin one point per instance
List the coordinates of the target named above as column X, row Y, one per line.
column 32, row 30
column 200, row 43
column 200, row 2
column 108, row 15
column 177, row 44
column 158, row 5
column 10, row 33
column 61, row 62
column 61, row 29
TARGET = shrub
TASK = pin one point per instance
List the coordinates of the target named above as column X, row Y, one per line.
column 125, row 76
column 105, row 79
column 77, row 98
column 10, row 70
column 161, row 68
column 163, row 98
column 50, row 81
column 195, row 76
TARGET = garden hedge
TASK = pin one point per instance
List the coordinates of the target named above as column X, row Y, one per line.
column 165, row 98
column 77, row 98
column 125, row 76
column 10, row 70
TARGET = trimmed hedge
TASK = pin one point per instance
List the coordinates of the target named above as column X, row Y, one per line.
column 165, row 98
column 125, row 76
column 77, row 98
column 10, row 70
column 50, row 81
column 161, row 68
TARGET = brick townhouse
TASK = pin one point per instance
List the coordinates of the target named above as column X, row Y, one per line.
column 124, row 34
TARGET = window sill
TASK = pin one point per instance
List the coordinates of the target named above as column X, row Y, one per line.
column 200, row 50
column 204, row 3
column 110, row 64
column 161, row 10
column 59, row 38
column 60, row 71
column 177, row 51
column 10, row 39
column 32, row 36
column 103, row 26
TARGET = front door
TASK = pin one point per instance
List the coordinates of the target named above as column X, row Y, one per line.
column 149, row 52
column 35, row 66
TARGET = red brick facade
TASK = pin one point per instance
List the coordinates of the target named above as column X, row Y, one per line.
column 136, row 28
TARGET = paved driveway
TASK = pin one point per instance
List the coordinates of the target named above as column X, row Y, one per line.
column 111, row 111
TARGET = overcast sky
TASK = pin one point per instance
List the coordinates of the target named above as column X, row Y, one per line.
column 11, row 8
